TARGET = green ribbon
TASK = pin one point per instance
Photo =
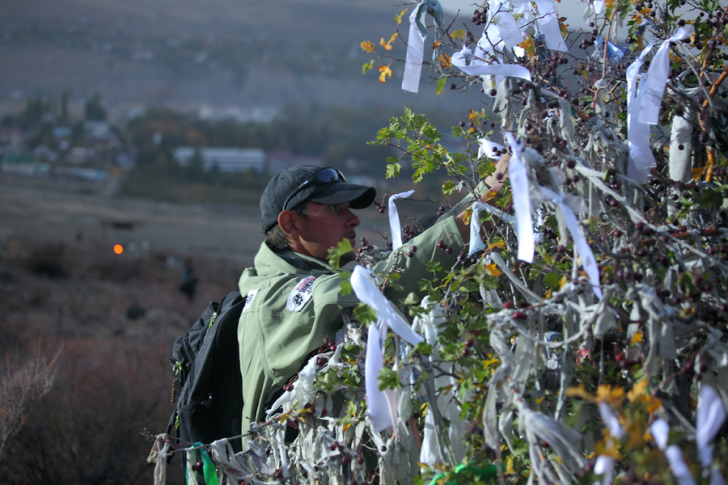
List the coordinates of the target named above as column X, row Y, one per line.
column 208, row 469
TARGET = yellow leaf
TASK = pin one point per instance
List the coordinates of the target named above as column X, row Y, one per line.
column 468, row 215
column 490, row 195
column 548, row 294
column 457, row 34
column 606, row 393
column 367, row 46
column 653, row 404
column 528, row 46
column 492, row 269
column 384, row 73
column 497, row 244
column 391, row 39
column 347, row 426
column 697, row 172
column 509, row 466
column 385, row 45
column 539, row 400
column 444, row 60
column 436, row 44
column 563, row 281
column 490, row 362
column 637, row 390
column 579, row 392
column 398, row 17
column 636, row 338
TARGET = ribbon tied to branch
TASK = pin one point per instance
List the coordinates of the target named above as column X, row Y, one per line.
column 394, row 224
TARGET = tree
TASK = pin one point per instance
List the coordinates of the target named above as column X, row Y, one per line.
column 94, row 109
column 583, row 336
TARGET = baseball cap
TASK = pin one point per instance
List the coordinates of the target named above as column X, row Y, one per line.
column 302, row 183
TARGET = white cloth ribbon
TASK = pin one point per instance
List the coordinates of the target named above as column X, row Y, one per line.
column 377, row 404
column 380, row 408
column 604, row 466
column 505, row 23
column 476, row 243
column 588, row 261
column 415, row 53
column 521, row 201
column 657, row 78
column 660, row 431
column 394, row 225
column 641, row 158
column 366, row 290
column 478, row 67
column 598, row 6
column 611, row 420
column 710, row 417
column 548, row 24
column 488, row 147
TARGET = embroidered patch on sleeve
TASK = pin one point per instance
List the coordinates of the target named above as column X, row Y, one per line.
column 300, row 294
column 249, row 300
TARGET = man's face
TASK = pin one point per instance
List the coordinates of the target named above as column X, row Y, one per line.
column 323, row 228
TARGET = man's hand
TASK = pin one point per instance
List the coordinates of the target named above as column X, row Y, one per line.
column 495, row 183
column 496, row 179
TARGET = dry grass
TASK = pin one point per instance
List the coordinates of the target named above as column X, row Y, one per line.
column 112, row 380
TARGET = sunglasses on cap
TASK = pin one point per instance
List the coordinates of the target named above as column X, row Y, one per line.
column 320, row 177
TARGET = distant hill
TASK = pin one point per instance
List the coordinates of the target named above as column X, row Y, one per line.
column 192, row 52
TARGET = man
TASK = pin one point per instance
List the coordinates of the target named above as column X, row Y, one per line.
column 293, row 295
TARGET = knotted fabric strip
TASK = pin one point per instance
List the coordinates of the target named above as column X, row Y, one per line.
column 549, row 26
column 479, row 68
column 394, row 224
column 710, row 417
column 416, row 42
column 641, row 158
column 657, row 78
column 476, row 243
column 588, row 261
column 377, row 404
column 487, row 148
column 366, row 290
column 521, row 201
column 660, row 430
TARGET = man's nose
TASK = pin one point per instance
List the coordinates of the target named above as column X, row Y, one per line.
column 352, row 219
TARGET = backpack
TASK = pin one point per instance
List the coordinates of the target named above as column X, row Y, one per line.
column 207, row 385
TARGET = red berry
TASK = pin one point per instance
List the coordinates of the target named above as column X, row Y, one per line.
column 507, row 305
column 519, row 315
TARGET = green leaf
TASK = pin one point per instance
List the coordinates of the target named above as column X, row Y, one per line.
column 388, row 379
column 457, row 34
column 335, row 254
column 448, row 187
column 423, row 348
column 433, row 266
column 441, row 85
column 367, row 66
column 552, row 280
column 393, row 168
column 365, row 314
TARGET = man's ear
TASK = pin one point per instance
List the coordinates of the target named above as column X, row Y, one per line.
column 287, row 223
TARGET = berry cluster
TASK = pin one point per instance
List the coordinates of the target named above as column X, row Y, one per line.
column 381, row 206
column 480, row 16
column 441, row 245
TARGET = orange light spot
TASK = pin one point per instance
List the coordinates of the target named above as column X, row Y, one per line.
column 118, row 248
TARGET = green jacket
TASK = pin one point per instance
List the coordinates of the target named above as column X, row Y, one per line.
column 294, row 301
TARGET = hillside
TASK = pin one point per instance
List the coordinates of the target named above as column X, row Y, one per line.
column 187, row 53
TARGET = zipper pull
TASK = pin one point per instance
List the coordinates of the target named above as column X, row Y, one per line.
column 212, row 320
column 176, row 381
